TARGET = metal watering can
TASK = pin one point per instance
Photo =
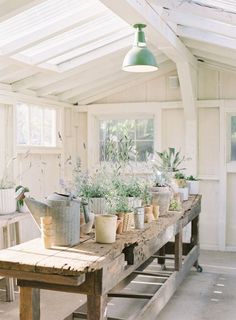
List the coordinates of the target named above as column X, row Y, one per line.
column 65, row 212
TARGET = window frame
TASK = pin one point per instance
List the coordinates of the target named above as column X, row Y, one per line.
column 118, row 111
column 58, row 128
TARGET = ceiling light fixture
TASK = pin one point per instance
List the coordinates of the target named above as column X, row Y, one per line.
column 139, row 58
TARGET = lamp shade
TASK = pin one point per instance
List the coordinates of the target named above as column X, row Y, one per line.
column 139, row 58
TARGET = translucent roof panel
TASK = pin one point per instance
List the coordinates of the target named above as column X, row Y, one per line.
column 42, row 15
column 56, row 31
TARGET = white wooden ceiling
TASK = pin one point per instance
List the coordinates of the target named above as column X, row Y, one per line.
column 72, row 50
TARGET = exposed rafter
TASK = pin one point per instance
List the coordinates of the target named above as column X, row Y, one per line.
column 189, row 7
column 208, row 37
column 158, row 32
column 194, row 21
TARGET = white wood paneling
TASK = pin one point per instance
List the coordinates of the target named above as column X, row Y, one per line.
column 231, row 216
column 209, row 141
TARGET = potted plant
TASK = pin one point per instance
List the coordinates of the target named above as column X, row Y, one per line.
column 92, row 188
column 120, row 205
column 19, row 195
column 182, row 184
column 161, row 193
column 7, row 192
column 146, row 201
column 193, row 185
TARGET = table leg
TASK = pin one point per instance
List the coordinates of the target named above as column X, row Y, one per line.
column 96, row 307
column 178, row 249
column 29, row 303
column 10, row 296
column 161, row 261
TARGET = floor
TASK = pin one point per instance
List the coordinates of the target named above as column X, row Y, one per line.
column 211, row 295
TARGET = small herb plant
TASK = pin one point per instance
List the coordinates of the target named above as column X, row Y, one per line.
column 192, row 178
column 146, row 196
column 175, row 205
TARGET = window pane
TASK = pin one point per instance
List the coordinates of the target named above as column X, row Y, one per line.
column 144, row 129
column 22, row 125
column 36, row 126
column 49, row 127
column 144, row 149
column 120, row 139
column 233, row 138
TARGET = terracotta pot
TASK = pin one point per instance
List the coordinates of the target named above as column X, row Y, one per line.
column 119, row 225
column 148, row 214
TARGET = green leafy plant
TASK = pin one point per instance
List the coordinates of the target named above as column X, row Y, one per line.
column 170, row 160
column 20, row 202
column 146, row 195
column 191, row 178
column 180, row 175
column 175, row 205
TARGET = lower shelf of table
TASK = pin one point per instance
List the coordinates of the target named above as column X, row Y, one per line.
column 146, row 291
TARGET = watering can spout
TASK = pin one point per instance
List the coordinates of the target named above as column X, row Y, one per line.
column 38, row 209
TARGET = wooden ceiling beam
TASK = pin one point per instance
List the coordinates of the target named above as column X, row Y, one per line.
column 157, row 31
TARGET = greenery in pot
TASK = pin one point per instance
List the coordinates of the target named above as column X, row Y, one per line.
column 146, row 195
column 170, row 160
column 20, row 198
column 192, row 178
column 181, row 180
column 175, row 205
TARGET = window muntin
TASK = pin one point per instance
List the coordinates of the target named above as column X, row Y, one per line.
column 117, row 134
column 35, row 125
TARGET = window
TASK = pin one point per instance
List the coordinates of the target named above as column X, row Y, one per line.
column 132, row 138
column 35, row 126
column 233, row 138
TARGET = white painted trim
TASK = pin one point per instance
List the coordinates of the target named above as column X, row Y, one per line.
column 8, row 96
column 205, row 177
column 119, row 110
column 223, row 182
column 231, row 167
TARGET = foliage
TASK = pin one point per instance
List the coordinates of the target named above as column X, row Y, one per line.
column 175, row 205
column 146, row 195
column 180, row 175
column 192, row 178
column 161, row 178
column 20, row 202
column 170, row 160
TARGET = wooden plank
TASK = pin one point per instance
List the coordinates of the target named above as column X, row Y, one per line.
column 57, row 279
column 97, row 307
column 29, row 304
column 130, row 295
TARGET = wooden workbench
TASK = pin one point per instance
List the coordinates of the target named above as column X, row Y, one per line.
column 6, row 221
column 94, row 269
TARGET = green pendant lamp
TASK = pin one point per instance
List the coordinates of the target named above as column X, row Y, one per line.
column 139, row 58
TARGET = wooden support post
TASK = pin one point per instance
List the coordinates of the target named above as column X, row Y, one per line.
column 29, row 304
column 10, row 296
column 162, row 261
column 178, row 249
column 195, row 236
column 96, row 307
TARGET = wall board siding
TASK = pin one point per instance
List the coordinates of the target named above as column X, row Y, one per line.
column 231, row 211
column 209, row 141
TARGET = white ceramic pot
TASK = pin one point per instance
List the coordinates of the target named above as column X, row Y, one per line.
column 7, row 201
column 105, row 228
column 183, row 193
column 193, row 187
